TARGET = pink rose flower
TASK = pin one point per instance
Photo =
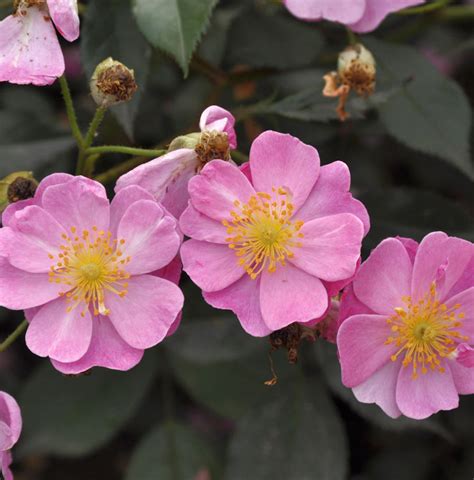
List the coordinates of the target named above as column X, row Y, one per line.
column 85, row 271
column 359, row 15
column 10, row 429
column 29, row 47
column 167, row 177
column 408, row 326
column 271, row 241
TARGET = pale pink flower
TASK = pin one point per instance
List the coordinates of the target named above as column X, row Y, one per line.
column 85, row 271
column 270, row 242
column 407, row 330
column 359, row 15
column 10, row 429
column 167, row 177
column 29, row 47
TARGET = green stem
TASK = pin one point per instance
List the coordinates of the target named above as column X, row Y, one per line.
column 430, row 7
column 458, row 12
column 126, row 150
column 85, row 162
column 351, row 37
column 115, row 172
column 14, row 335
column 71, row 113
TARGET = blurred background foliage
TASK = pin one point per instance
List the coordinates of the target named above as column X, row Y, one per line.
column 197, row 408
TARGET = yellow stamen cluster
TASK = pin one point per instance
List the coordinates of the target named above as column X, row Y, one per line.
column 425, row 332
column 89, row 263
column 262, row 232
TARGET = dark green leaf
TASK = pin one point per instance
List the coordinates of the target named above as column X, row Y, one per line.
column 275, row 41
column 110, row 30
column 171, row 452
column 297, row 435
column 432, row 113
column 221, row 366
column 174, row 26
column 75, row 416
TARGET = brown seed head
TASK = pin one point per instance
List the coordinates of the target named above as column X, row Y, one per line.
column 212, row 146
column 357, row 70
column 21, row 189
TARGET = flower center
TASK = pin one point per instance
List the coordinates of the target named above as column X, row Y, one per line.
column 90, row 264
column 425, row 332
column 262, row 233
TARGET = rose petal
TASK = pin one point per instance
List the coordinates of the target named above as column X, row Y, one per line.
column 196, row 225
column 344, row 11
column 280, row 160
column 215, row 118
column 61, row 335
column 65, row 17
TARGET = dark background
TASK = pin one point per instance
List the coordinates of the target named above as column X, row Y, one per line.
column 196, row 408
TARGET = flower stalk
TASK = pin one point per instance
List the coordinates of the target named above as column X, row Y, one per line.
column 14, row 335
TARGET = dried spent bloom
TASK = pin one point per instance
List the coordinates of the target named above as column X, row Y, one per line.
column 29, row 47
column 16, row 186
column 87, row 272
column 359, row 15
column 356, row 71
column 10, row 429
column 112, row 83
column 405, row 342
column 167, row 177
column 271, row 241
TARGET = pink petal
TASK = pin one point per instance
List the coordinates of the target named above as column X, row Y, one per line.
column 5, row 437
column 331, row 195
column 29, row 49
column 65, row 17
column 215, row 190
column 8, row 216
column 211, row 266
column 362, row 350
column 144, row 316
column 330, row 247
column 61, row 335
column 463, row 375
column 380, row 388
column 377, row 10
column 196, row 225
column 280, row 160
column 426, row 395
column 36, row 236
column 245, row 169
column 290, row 295
column 351, row 305
column 243, row 298
column 466, row 301
column 151, row 238
column 20, row 290
column 465, row 281
column 172, row 272
column 10, row 414
column 78, row 203
column 343, row 11
column 49, row 181
column 122, row 200
column 169, row 173
column 439, row 259
column 217, row 119
column 465, row 355
column 385, row 277
column 107, row 349
column 5, row 462
column 411, row 247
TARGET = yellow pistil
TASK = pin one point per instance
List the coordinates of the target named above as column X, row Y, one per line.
column 262, row 232
column 90, row 263
column 425, row 332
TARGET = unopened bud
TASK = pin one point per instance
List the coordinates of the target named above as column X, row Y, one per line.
column 112, row 83
column 15, row 187
column 357, row 70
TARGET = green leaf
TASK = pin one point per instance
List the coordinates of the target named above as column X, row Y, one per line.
column 171, row 452
column 109, row 30
column 411, row 212
column 174, row 26
column 298, row 435
column 432, row 113
column 222, row 367
column 275, row 41
column 77, row 415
